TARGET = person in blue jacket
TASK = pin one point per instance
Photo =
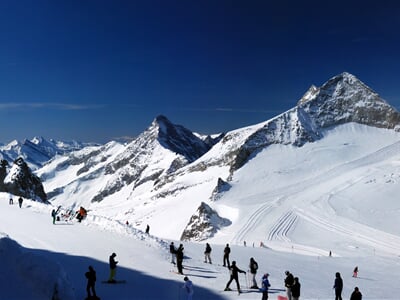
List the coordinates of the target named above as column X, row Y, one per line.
column 264, row 286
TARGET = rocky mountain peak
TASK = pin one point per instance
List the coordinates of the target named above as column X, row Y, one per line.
column 178, row 139
column 344, row 98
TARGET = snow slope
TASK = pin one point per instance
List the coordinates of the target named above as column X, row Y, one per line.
column 337, row 194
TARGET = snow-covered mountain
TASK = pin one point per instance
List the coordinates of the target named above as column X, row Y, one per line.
column 313, row 190
column 38, row 150
column 157, row 174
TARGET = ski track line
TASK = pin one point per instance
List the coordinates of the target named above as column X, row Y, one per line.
column 282, row 227
column 252, row 222
column 380, row 240
column 337, row 171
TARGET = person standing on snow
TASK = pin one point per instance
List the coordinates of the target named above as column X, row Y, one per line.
column 113, row 268
column 20, row 200
column 296, row 289
column 227, row 251
column 264, row 286
column 253, row 266
column 53, row 214
column 356, row 294
column 147, row 229
column 289, row 280
column 188, row 286
column 172, row 250
column 179, row 259
column 338, row 286
column 355, row 272
column 207, row 253
column 91, row 281
column 234, row 276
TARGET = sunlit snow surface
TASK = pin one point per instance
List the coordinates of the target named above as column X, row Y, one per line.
column 339, row 194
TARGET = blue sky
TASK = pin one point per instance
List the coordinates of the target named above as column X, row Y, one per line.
column 97, row 70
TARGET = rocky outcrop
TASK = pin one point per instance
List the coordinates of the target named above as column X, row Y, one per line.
column 203, row 224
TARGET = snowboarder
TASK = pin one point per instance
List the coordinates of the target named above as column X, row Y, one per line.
column 289, row 280
column 172, row 250
column 53, row 214
column 113, row 268
column 296, row 289
column 356, row 294
column 20, row 200
column 338, row 286
column 147, row 229
column 179, row 259
column 207, row 253
column 188, row 286
column 355, row 272
column 264, row 286
column 227, row 251
column 234, row 270
column 91, row 281
column 253, row 266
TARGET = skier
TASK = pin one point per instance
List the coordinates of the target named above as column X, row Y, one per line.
column 188, row 286
column 253, row 266
column 113, row 268
column 296, row 289
column 288, row 284
column 234, row 276
column 179, row 259
column 227, row 251
column 147, row 229
column 91, row 281
column 355, row 272
column 53, row 214
column 11, row 201
column 356, row 294
column 207, row 253
column 20, row 200
column 172, row 250
column 264, row 286
column 338, row 286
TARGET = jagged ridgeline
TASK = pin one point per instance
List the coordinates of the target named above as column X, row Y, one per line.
column 169, row 163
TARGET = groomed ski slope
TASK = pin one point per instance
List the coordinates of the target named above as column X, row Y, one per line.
column 339, row 194
column 144, row 263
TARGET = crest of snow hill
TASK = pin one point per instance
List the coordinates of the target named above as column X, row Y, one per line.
column 165, row 152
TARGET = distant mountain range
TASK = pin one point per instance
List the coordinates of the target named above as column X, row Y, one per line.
column 170, row 172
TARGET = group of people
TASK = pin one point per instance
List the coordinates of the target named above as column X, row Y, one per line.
column 338, row 287
column 20, row 200
column 91, row 277
column 292, row 286
column 178, row 254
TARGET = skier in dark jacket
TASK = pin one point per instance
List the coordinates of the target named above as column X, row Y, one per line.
column 91, row 281
column 227, row 251
column 338, row 286
column 289, row 280
column 113, row 268
column 234, row 276
column 296, row 289
column 179, row 259
column 253, row 266
column 207, row 253
column 356, row 295
column 20, row 200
